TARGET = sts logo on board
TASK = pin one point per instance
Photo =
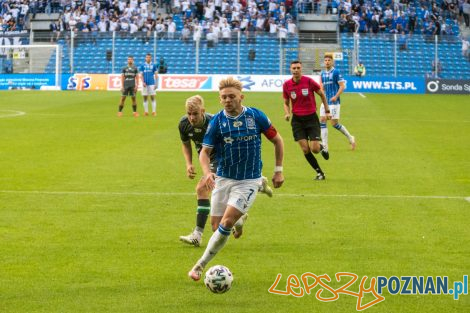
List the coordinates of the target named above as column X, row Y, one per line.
column 79, row 82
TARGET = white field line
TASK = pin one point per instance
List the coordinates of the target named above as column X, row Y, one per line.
column 180, row 194
column 10, row 113
column 362, row 95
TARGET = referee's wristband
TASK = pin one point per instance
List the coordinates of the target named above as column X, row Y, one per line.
column 278, row 169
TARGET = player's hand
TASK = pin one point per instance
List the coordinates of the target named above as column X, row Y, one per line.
column 122, row 89
column 333, row 99
column 287, row 117
column 190, row 171
column 209, row 181
column 278, row 179
column 328, row 116
column 144, row 84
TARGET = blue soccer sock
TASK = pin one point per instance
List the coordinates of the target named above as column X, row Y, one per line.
column 343, row 130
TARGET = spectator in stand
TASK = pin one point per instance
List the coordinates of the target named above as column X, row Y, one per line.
column 465, row 49
column 360, row 69
column 437, row 68
column 403, row 41
column 466, row 13
column 291, row 28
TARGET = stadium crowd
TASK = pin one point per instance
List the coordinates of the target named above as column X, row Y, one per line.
column 218, row 18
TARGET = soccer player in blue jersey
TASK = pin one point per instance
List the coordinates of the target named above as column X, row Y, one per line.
column 235, row 134
column 149, row 73
column 192, row 127
column 333, row 85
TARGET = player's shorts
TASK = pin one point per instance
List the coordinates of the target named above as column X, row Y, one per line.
column 148, row 90
column 129, row 91
column 237, row 193
column 334, row 110
column 306, row 127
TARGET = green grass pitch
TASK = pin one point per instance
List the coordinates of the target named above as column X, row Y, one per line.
column 92, row 205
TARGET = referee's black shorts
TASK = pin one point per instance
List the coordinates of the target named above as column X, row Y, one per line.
column 129, row 91
column 306, row 127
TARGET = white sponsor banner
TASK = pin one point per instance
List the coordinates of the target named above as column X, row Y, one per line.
column 187, row 82
column 268, row 83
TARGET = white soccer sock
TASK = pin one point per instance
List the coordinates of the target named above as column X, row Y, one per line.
column 215, row 244
column 146, row 106
column 343, row 129
column 324, row 135
column 154, row 105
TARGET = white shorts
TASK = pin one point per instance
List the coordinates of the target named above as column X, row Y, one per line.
column 237, row 193
column 334, row 110
column 148, row 90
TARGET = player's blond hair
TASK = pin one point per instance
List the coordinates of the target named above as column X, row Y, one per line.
column 195, row 103
column 230, row 82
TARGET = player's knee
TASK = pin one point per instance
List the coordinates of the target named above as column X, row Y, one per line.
column 315, row 148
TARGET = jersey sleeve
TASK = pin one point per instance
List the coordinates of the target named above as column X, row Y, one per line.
column 339, row 77
column 262, row 120
column 285, row 93
column 141, row 68
column 314, row 85
column 210, row 137
column 183, row 135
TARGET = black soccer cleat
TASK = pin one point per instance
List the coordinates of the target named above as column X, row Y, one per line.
column 320, row 176
column 325, row 154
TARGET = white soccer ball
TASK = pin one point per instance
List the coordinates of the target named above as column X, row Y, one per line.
column 218, row 279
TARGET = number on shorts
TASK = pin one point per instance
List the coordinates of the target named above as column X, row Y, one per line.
column 251, row 193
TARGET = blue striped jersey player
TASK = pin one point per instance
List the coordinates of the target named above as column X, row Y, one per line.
column 193, row 127
column 149, row 74
column 235, row 134
column 333, row 84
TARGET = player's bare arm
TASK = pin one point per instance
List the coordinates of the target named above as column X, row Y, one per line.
column 188, row 157
column 342, row 86
column 122, row 82
column 325, row 103
column 287, row 112
column 278, row 177
column 204, row 159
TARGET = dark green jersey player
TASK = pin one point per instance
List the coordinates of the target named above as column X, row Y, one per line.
column 129, row 84
column 194, row 131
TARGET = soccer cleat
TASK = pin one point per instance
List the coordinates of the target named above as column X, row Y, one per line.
column 154, row 113
column 237, row 229
column 352, row 141
column 320, row 176
column 325, row 154
column 264, row 188
column 146, row 114
column 195, row 239
column 119, row 114
column 135, row 114
column 196, row 272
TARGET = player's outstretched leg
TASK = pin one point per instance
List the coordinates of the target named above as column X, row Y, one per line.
column 324, row 138
column 194, row 238
column 218, row 240
column 237, row 229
